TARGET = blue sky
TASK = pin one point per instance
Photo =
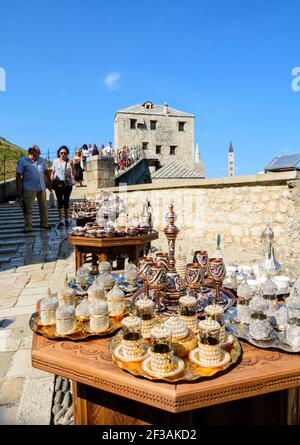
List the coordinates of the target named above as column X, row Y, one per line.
column 229, row 63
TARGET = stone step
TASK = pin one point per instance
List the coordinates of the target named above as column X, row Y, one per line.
column 19, row 219
column 4, row 259
column 5, row 250
column 20, row 213
column 11, row 236
column 11, row 243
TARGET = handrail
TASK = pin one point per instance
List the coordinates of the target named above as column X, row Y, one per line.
column 142, row 156
column 3, row 164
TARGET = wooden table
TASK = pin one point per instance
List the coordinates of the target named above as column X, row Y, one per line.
column 104, row 394
column 103, row 249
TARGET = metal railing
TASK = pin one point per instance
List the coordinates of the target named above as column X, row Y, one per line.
column 138, row 159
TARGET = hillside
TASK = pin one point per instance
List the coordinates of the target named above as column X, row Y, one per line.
column 11, row 153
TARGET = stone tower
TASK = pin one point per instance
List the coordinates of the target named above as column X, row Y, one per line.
column 230, row 160
column 166, row 134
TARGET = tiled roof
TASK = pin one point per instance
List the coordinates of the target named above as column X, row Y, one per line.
column 155, row 110
column 175, row 169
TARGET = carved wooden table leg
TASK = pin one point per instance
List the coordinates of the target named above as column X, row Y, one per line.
column 78, row 259
column 293, row 406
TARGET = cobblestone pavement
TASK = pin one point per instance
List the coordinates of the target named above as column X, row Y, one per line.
column 29, row 264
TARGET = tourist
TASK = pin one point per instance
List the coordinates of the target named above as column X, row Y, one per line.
column 95, row 150
column 31, row 172
column 101, row 150
column 63, row 173
column 79, row 167
column 85, row 154
column 108, row 149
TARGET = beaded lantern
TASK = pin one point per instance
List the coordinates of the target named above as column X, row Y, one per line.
column 65, row 318
column 145, row 312
column 132, row 340
column 187, row 312
column 48, row 308
column 99, row 320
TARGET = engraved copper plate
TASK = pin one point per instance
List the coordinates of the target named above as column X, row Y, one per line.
column 190, row 372
column 82, row 331
column 275, row 340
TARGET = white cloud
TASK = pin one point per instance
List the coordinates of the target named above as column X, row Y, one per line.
column 111, row 80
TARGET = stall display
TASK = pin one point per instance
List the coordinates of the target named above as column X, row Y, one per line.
column 163, row 364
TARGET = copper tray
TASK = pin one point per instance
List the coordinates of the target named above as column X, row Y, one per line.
column 204, row 299
column 191, row 371
column 81, row 332
column 275, row 340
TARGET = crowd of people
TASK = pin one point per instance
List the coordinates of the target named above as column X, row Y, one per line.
column 123, row 157
column 33, row 176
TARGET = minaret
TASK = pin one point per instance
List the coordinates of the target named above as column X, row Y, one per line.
column 230, row 160
column 198, row 165
column 197, row 154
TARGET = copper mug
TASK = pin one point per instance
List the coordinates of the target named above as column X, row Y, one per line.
column 194, row 275
column 217, row 271
column 157, row 280
column 142, row 270
column 201, row 257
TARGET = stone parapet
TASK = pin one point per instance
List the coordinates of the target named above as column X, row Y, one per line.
column 100, row 172
column 237, row 208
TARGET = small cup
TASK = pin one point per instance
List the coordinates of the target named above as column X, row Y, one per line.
column 259, row 327
column 282, row 282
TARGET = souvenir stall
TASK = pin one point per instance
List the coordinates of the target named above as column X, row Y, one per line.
column 107, row 232
column 165, row 338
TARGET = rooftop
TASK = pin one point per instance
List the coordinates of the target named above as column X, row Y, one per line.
column 284, row 163
column 152, row 109
column 175, row 170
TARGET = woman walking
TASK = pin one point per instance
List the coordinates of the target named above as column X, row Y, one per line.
column 62, row 181
column 79, row 167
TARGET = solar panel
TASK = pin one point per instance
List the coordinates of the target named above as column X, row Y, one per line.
column 284, row 162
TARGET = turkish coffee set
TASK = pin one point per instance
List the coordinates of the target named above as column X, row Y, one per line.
column 185, row 322
column 267, row 311
column 107, row 216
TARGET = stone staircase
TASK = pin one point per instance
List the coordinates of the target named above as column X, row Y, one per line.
column 12, row 239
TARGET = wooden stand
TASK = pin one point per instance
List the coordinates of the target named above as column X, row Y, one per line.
column 252, row 392
column 109, row 249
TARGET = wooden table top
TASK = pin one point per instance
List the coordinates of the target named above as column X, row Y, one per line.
column 89, row 362
column 78, row 240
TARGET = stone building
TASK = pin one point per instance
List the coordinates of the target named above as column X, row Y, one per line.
column 165, row 134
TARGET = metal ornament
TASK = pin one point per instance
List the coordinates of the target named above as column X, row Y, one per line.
column 175, row 287
column 269, row 263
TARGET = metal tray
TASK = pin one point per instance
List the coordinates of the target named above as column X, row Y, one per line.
column 190, row 372
column 81, row 332
column 241, row 330
column 204, row 299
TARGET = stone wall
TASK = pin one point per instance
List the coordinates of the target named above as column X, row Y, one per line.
column 100, row 172
column 237, row 208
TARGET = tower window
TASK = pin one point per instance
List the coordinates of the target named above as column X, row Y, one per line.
column 145, row 145
column 132, row 124
column 181, row 126
column 153, row 125
column 172, row 149
column 158, row 149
